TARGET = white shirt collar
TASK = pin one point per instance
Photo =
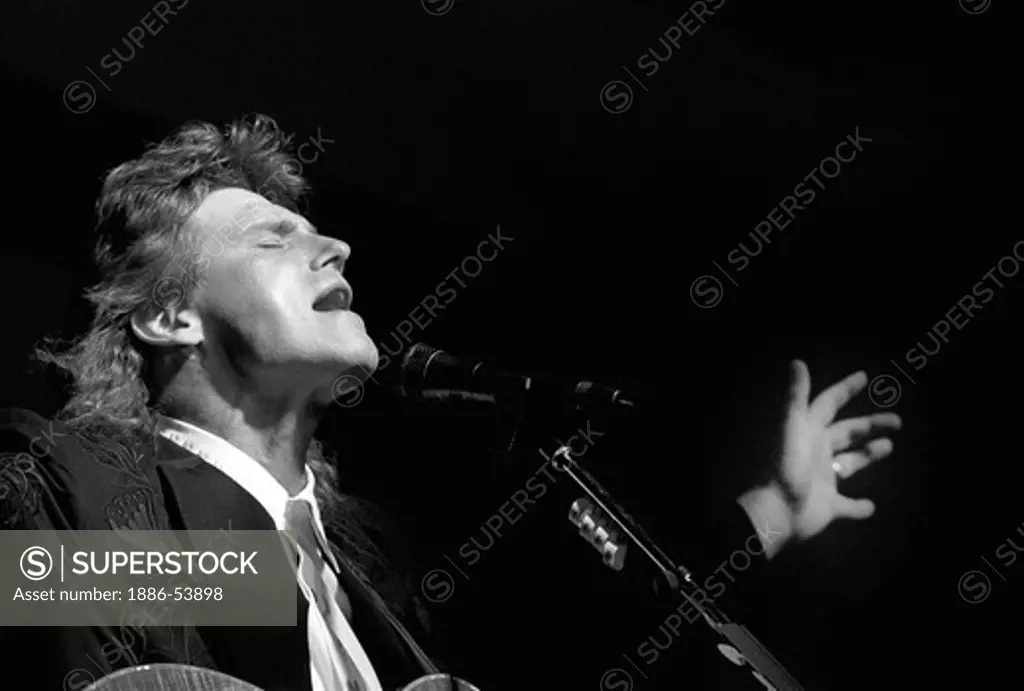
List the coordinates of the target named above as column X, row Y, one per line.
column 246, row 471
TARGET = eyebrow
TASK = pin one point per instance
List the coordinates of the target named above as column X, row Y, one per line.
column 283, row 227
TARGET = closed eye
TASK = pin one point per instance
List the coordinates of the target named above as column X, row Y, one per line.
column 272, row 240
column 276, row 235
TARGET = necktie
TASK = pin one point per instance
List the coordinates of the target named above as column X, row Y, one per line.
column 312, row 572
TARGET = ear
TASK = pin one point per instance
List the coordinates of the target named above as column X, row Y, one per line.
column 168, row 327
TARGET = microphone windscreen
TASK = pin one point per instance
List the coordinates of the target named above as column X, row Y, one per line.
column 416, row 364
column 415, row 361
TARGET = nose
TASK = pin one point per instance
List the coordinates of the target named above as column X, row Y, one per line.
column 335, row 252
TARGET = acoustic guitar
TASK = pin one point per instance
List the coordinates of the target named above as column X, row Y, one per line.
column 171, row 677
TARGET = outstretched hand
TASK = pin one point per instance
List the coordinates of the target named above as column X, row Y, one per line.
column 803, row 497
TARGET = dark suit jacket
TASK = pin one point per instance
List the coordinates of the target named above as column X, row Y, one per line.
column 52, row 480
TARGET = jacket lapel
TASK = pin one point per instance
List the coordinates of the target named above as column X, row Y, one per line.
column 201, row 497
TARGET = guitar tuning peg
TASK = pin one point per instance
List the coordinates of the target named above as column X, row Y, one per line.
column 580, row 509
column 587, row 526
column 614, row 555
column 574, row 511
column 577, row 508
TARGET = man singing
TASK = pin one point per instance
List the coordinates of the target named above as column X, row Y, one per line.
column 222, row 321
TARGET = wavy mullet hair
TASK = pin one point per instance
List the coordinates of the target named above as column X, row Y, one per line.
column 142, row 251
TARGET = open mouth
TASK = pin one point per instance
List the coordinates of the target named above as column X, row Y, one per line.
column 336, row 299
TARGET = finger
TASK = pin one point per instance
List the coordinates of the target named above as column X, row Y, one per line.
column 846, row 432
column 846, row 464
column 857, row 509
column 829, row 401
column 800, row 388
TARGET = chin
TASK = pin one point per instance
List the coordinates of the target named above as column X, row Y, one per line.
column 361, row 357
column 352, row 365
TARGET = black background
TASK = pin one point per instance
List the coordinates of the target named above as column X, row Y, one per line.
column 444, row 127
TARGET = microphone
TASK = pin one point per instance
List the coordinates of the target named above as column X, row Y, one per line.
column 428, row 372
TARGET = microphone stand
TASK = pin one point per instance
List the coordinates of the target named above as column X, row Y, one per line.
column 519, row 397
column 680, row 580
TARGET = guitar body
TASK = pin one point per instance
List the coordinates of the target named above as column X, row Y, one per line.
column 440, row 682
column 170, row 677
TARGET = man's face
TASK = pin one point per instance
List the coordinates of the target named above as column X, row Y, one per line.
column 271, row 297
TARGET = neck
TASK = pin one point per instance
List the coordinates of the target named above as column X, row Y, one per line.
column 276, row 433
